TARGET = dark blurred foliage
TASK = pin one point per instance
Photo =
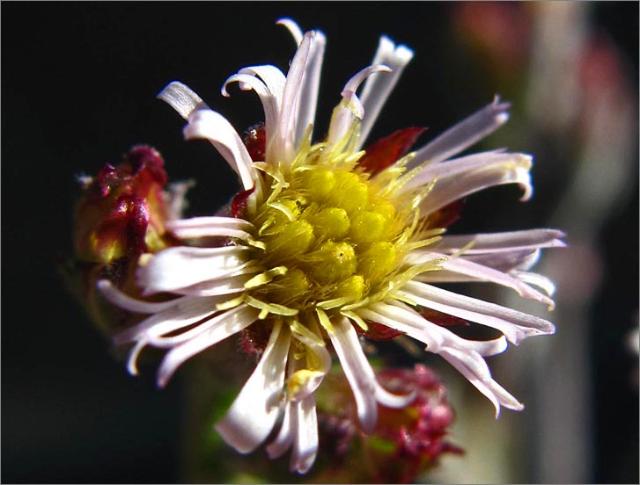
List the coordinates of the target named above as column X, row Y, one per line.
column 78, row 88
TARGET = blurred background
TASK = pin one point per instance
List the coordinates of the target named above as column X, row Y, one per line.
column 78, row 89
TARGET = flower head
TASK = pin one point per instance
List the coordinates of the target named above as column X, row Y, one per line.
column 326, row 240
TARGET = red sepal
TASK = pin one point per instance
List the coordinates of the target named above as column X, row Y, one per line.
column 386, row 151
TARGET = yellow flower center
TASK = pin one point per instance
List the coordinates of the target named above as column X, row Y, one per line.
column 330, row 237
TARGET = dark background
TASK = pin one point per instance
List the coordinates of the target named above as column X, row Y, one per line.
column 78, row 88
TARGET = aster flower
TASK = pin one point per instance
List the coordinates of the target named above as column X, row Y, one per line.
column 324, row 238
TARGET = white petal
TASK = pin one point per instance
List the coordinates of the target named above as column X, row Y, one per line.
column 377, row 89
column 391, row 400
column 513, row 324
column 214, row 127
column 124, row 301
column 163, row 336
column 475, row 369
column 293, row 28
column 357, row 79
column 403, row 320
column 451, row 340
column 254, row 412
column 507, row 260
column 132, row 359
column 268, row 99
column 305, row 446
column 181, row 267
column 209, row 227
column 407, row 320
column 181, row 98
column 358, row 371
column 309, row 95
column 227, row 324
column 228, row 222
column 464, row 354
column 283, row 441
column 342, row 119
column 538, row 280
column 273, row 78
column 485, row 273
column 426, row 173
column 450, row 189
column 502, row 241
column 350, row 109
column 184, row 313
column 221, row 286
column 284, row 141
column 464, row 134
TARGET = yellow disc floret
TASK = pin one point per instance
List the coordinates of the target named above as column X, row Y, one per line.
column 329, row 236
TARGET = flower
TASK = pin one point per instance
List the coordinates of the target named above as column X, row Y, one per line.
column 325, row 238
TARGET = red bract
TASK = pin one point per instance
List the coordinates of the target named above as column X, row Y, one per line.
column 446, row 216
column 442, row 319
column 255, row 140
column 377, row 331
column 239, row 203
column 388, row 150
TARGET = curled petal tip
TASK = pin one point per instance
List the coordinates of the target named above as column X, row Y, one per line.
column 352, row 85
column 293, row 28
column 162, row 379
column 527, row 187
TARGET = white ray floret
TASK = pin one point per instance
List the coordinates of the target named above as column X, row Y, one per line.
column 378, row 87
column 258, row 402
column 464, row 134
